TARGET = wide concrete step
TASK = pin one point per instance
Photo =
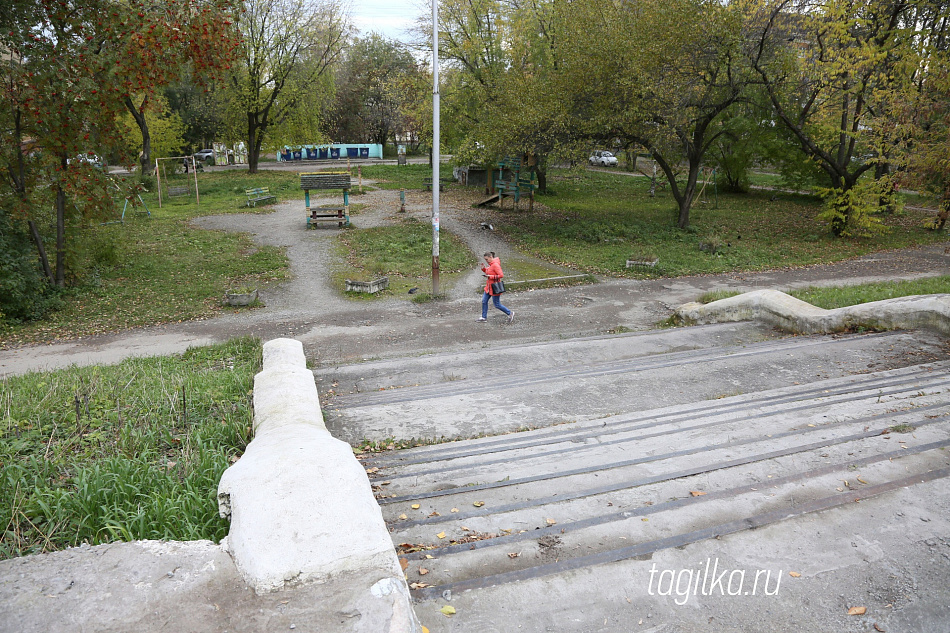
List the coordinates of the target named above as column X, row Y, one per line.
column 505, row 389
column 480, row 513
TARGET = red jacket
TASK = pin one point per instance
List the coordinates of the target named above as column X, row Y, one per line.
column 494, row 274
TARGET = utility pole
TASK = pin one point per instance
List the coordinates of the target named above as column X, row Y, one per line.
column 435, row 148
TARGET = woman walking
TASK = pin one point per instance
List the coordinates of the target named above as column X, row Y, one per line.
column 492, row 270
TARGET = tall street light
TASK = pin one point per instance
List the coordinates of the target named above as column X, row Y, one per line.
column 435, row 148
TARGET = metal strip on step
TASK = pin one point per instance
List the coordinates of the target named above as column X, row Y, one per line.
column 680, row 453
column 642, row 511
column 629, row 423
column 630, row 365
column 615, row 429
column 679, row 540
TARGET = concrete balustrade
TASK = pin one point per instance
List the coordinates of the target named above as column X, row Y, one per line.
column 793, row 315
column 300, row 504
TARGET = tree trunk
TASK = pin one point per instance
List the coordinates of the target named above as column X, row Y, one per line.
column 60, row 235
column 38, row 240
column 685, row 200
column 145, row 158
column 253, row 144
column 542, row 181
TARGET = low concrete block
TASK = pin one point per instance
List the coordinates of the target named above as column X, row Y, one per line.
column 788, row 313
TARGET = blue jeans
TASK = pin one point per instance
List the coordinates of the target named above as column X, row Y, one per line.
column 496, row 299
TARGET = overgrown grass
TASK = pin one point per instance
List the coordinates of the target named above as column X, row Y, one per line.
column 123, row 452
column 162, row 268
column 595, row 220
column 841, row 296
column 404, row 253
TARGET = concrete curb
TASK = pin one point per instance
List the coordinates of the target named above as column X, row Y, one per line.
column 300, row 504
column 788, row 313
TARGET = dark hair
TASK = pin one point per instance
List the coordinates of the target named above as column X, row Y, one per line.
column 489, row 253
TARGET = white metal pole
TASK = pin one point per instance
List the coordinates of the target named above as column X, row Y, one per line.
column 435, row 148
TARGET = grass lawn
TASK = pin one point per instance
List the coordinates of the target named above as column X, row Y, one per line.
column 402, row 252
column 595, row 221
column 162, row 269
column 123, row 452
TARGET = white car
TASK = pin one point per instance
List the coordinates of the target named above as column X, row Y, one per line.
column 602, row 158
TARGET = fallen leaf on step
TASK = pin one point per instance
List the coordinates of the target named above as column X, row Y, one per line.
column 478, row 504
column 454, row 510
column 423, row 571
column 415, row 506
column 551, row 522
column 404, row 563
column 514, row 554
column 418, row 585
column 441, row 534
column 857, row 610
column 794, row 574
column 861, row 480
column 466, row 529
column 697, row 493
column 878, row 628
column 370, row 471
column 403, row 517
column 448, row 610
column 425, row 630
column 434, row 514
column 429, row 556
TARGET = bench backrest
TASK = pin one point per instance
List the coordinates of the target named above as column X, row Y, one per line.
column 325, row 180
column 179, row 190
column 260, row 191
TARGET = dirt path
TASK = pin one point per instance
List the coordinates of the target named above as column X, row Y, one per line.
column 334, row 329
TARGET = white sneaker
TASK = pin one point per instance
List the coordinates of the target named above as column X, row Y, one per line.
column 511, row 317
column 482, row 319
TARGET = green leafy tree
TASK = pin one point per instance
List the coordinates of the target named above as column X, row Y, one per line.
column 287, row 47
column 827, row 68
column 661, row 75
column 372, row 87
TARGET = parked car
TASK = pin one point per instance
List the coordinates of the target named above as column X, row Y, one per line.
column 205, row 156
column 87, row 158
column 602, row 158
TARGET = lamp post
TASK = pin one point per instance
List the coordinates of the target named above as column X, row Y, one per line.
column 435, row 148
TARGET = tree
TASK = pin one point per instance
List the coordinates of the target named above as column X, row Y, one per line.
column 662, row 74
column 70, row 69
column 371, row 90
column 288, row 45
column 828, row 66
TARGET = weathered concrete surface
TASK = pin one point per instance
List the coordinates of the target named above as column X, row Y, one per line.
column 788, row 313
column 153, row 587
column 300, row 505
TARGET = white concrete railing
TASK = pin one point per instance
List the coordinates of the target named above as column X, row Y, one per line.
column 300, row 504
column 791, row 314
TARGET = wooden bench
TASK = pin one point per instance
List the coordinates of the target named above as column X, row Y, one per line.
column 260, row 194
column 179, row 190
column 327, row 181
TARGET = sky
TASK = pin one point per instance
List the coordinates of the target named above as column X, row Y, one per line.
column 389, row 18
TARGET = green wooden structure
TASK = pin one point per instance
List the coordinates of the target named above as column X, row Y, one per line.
column 515, row 179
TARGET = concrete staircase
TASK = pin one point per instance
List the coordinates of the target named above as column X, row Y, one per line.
column 704, row 448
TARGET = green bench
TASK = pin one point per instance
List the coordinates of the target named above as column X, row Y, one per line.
column 260, row 194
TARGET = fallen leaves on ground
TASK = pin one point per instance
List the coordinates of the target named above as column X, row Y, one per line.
column 857, row 610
